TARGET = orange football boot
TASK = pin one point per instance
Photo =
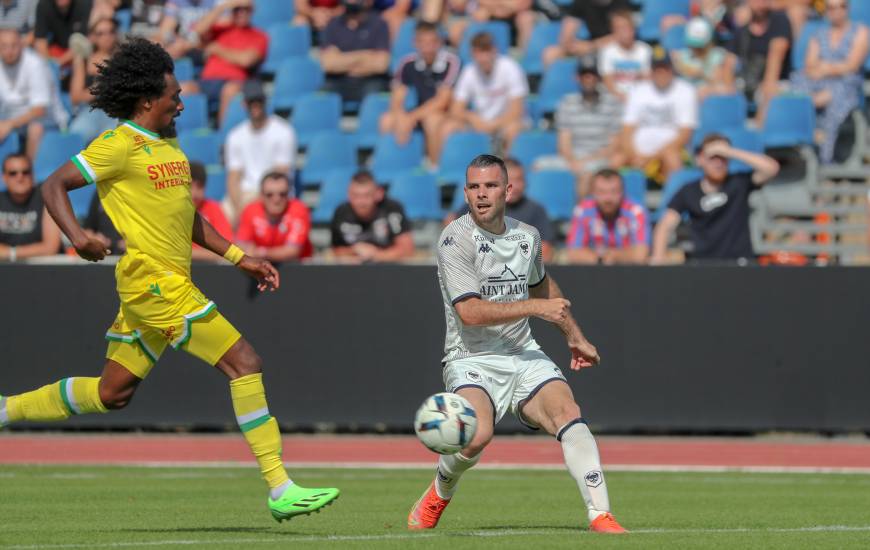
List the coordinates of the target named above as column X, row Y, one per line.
column 427, row 511
column 606, row 523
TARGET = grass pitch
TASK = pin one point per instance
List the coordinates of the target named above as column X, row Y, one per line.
column 108, row 507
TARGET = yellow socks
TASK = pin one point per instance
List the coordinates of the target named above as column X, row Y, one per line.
column 57, row 401
column 260, row 429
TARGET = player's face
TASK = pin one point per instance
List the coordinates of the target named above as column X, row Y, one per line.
column 428, row 43
column 486, row 192
column 10, row 47
column 168, row 107
column 18, row 176
column 607, row 193
column 276, row 195
column 363, row 199
column 517, row 180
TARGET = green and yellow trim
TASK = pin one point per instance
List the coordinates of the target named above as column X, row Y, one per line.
column 84, row 168
column 141, row 130
column 188, row 320
column 67, row 395
column 253, row 420
column 135, row 338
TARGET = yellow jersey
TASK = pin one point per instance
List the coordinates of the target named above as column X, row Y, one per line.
column 143, row 182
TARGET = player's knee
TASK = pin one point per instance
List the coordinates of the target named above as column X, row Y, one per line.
column 481, row 439
column 564, row 414
column 115, row 399
column 248, row 361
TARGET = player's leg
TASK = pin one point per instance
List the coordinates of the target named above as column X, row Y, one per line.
column 451, row 467
column 552, row 407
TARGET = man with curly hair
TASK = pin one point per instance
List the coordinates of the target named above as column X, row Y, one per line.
column 143, row 182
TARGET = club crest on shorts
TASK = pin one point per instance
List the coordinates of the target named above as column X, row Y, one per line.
column 473, row 376
column 594, row 478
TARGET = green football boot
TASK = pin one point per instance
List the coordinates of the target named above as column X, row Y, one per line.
column 299, row 501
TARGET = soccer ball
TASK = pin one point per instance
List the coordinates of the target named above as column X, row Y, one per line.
column 445, row 423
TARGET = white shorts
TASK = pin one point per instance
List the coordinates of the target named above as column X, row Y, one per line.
column 509, row 380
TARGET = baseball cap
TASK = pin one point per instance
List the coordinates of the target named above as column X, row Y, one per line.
column 586, row 65
column 660, row 58
column 699, row 33
column 253, row 91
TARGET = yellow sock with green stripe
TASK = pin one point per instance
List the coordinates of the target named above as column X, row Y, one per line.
column 260, row 429
column 79, row 395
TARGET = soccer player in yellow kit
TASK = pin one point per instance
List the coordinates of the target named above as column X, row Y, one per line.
column 143, row 181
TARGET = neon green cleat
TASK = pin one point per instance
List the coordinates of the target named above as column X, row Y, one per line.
column 299, row 501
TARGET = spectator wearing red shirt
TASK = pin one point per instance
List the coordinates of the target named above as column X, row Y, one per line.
column 275, row 227
column 233, row 50
column 210, row 211
column 608, row 228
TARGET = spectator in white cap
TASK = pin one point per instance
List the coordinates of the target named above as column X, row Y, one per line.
column 708, row 67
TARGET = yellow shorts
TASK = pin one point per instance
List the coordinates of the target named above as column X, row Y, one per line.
column 171, row 312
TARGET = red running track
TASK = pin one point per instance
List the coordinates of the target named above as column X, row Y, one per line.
column 624, row 452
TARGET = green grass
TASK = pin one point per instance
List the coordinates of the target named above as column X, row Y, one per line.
column 86, row 507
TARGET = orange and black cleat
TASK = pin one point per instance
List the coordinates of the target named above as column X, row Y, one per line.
column 427, row 511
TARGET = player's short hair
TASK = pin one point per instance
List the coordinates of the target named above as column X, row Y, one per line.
column 487, row 161
column 274, row 175
column 135, row 71
column 622, row 14
column 608, row 174
column 362, row 177
column 425, row 26
column 482, row 41
column 11, row 156
column 710, row 138
column 198, row 173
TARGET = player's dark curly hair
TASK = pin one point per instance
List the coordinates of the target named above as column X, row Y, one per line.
column 135, row 71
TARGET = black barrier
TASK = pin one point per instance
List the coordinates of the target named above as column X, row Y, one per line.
column 684, row 349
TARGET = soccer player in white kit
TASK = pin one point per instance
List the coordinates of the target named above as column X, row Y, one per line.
column 492, row 280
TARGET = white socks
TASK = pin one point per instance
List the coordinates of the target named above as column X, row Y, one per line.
column 278, row 491
column 581, row 457
column 450, row 468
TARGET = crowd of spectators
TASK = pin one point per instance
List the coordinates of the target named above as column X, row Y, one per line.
column 635, row 105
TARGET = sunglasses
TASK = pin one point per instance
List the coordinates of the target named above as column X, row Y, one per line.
column 282, row 194
column 18, row 172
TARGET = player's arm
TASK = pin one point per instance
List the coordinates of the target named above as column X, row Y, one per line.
column 208, row 237
column 583, row 354
column 54, row 193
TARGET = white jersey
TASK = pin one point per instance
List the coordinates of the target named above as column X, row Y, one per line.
column 473, row 262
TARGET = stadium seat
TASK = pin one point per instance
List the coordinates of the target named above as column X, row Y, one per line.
column 790, row 121
column 634, row 185
column 675, row 38
column 314, row 113
column 201, row 146
column 458, row 198
column 559, row 80
column 555, row 190
column 419, row 194
column 719, row 112
column 12, row 144
column 286, row 41
column 652, row 13
column 328, row 150
column 746, row 139
column 333, row 193
column 544, row 35
column 458, row 151
column 216, row 183
column 195, row 114
column 675, row 182
column 799, row 50
column 124, row 18
column 55, row 149
column 531, row 144
column 391, row 159
column 501, row 36
column 859, row 10
column 269, row 12
column 368, row 130
column 184, row 69
column 296, row 77
column 80, row 200
column 403, row 44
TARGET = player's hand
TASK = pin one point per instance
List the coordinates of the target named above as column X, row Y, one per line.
column 554, row 310
column 92, row 250
column 262, row 270
column 583, row 354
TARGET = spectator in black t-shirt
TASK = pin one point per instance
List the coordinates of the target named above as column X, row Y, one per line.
column 26, row 229
column 520, row 208
column 762, row 46
column 98, row 225
column 717, row 205
column 369, row 227
column 431, row 72
column 595, row 15
column 56, row 21
column 356, row 52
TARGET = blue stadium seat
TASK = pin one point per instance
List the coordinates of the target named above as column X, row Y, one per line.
column 80, row 200
column 634, row 185
column 799, row 49
column 419, row 194
column 368, row 132
column 201, row 146
column 56, row 148
column 544, row 35
column 269, row 12
column 216, row 183
column 746, row 139
column 501, row 36
column 314, row 113
column 559, row 80
column 333, row 193
column 403, row 43
column 458, row 198
column 184, row 69
column 531, row 144
column 675, row 182
column 286, row 41
column 719, row 112
column 790, row 121
column 124, row 19
column 555, row 190
column 652, row 13
column 328, row 150
column 458, row 151
column 12, row 144
column 195, row 114
column 391, row 159
column 859, row 10
column 296, row 77
column 675, row 38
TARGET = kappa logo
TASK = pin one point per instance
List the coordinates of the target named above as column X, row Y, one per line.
column 593, row 478
column 448, row 241
column 484, row 248
column 473, row 376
